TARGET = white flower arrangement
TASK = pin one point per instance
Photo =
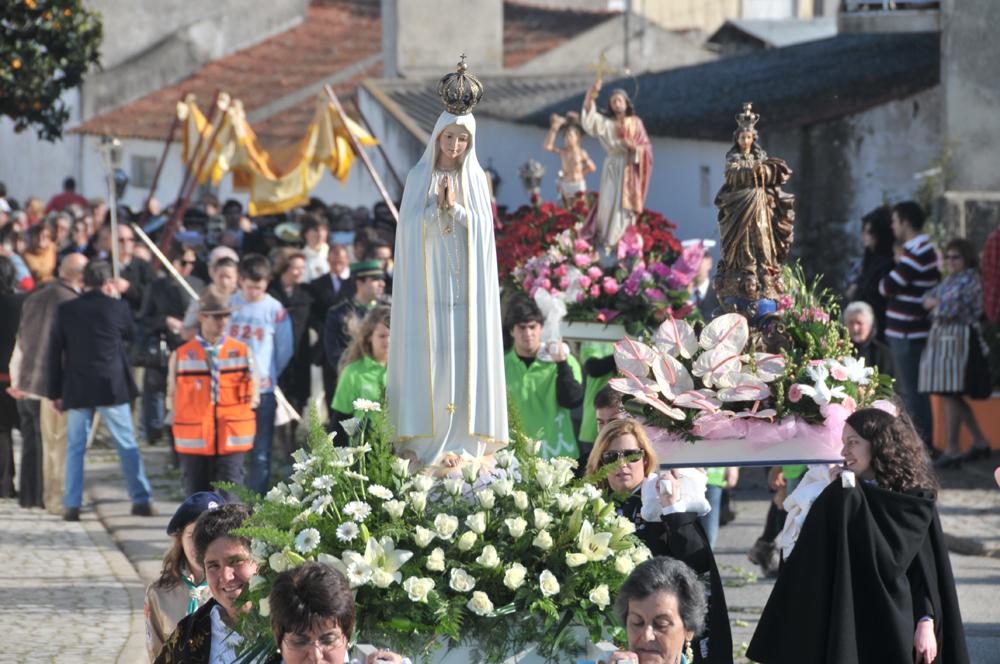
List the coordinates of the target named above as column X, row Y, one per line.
column 508, row 559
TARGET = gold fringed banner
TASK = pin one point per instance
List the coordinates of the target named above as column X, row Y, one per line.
column 282, row 179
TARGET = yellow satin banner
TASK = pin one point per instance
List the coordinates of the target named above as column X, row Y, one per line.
column 278, row 180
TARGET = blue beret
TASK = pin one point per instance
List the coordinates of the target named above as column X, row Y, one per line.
column 191, row 509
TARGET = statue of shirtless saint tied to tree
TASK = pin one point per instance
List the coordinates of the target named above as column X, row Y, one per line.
column 576, row 163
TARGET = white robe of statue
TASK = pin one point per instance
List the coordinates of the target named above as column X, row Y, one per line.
column 612, row 218
column 445, row 390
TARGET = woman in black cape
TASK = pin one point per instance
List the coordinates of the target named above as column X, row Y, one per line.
column 676, row 534
column 869, row 580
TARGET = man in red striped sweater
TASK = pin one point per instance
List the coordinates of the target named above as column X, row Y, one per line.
column 907, row 322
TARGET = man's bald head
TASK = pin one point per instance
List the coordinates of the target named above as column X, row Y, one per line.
column 71, row 269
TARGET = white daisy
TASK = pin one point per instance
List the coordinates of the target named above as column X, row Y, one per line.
column 348, row 531
column 307, row 540
column 357, row 510
column 380, row 491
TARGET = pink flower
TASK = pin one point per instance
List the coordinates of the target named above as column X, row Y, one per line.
column 850, row 404
column 564, row 283
column 795, row 393
column 838, row 373
column 528, row 283
column 581, row 260
column 655, row 294
column 595, row 291
column 595, row 272
column 584, row 281
column 580, row 297
column 562, row 270
column 630, row 243
column 607, row 315
column 546, row 284
column 683, row 311
column 610, row 286
column 581, row 246
column 785, row 302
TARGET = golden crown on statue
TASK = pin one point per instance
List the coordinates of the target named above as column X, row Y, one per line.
column 460, row 91
column 747, row 120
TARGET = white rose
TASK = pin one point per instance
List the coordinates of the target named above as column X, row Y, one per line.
column 275, row 495
column 400, row 467
column 435, row 561
column 480, row 604
column 423, row 536
column 256, row 582
column 548, row 583
column 380, row 492
column 418, row 499
column 516, row 526
column 564, row 502
column 504, row 458
column 461, row 581
column 542, row 518
column 466, row 541
column 486, row 498
column 574, row 559
column 470, row 473
column 418, row 587
column 265, row 607
column 621, row 526
column 445, row 525
column 476, row 522
column 520, row 500
column 543, row 540
column 640, row 554
column 382, row 578
column 600, row 596
column 513, row 578
column 295, row 490
column 545, row 477
column 624, row 564
column 502, row 487
column 453, row 485
column 489, row 557
column 423, row 483
column 394, row 508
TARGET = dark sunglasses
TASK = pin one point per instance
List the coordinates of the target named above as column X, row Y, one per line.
column 630, row 456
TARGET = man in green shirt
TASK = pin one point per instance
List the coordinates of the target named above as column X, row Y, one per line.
column 543, row 384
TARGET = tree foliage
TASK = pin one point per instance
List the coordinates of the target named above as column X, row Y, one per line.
column 46, row 47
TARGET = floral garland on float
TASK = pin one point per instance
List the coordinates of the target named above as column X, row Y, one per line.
column 500, row 559
column 540, row 248
column 737, row 401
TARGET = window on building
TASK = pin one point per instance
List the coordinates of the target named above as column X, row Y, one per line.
column 705, row 184
column 143, row 170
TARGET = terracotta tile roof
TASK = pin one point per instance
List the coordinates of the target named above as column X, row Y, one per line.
column 529, row 30
column 336, row 36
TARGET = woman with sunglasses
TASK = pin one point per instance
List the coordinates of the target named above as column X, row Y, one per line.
column 954, row 365
column 623, row 448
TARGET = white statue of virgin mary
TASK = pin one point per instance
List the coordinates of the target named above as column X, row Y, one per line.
column 445, row 389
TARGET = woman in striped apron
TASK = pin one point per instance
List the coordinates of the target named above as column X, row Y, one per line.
column 955, row 355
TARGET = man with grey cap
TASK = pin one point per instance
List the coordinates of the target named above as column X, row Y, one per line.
column 212, row 391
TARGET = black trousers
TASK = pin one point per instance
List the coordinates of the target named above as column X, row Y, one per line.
column 8, row 422
column 200, row 471
column 32, row 486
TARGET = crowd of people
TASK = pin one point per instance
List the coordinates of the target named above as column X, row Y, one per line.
column 226, row 341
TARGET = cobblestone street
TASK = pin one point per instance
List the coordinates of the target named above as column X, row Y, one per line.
column 69, row 594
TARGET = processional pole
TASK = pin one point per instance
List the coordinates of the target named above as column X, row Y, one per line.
column 111, row 154
column 159, row 169
column 381, row 150
column 356, row 146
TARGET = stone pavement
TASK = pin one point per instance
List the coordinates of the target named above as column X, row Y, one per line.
column 69, row 594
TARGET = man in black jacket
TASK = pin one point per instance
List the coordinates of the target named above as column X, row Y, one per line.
column 90, row 372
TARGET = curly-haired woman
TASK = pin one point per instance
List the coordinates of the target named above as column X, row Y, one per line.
column 869, row 579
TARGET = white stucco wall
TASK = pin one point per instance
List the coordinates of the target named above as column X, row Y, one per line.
column 891, row 144
column 33, row 167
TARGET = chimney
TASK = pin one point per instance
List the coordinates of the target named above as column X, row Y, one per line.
column 420, row 41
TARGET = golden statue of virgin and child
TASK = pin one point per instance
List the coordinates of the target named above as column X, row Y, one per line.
column 755, row 222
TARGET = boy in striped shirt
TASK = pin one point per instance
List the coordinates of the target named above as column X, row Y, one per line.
column 907, row 322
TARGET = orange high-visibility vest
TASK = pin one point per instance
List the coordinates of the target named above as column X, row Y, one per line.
column 207, row 428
